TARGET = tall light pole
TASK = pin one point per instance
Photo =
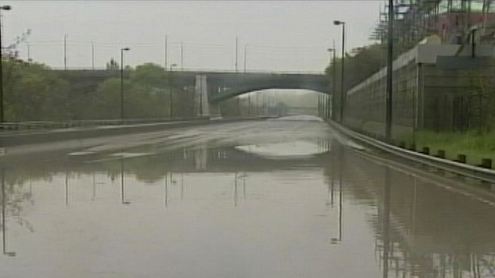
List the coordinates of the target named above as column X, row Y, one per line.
column 28, row 46
column 166, row 52
column 170, row 95
column 2, row 112
column 236, row 54
column 245, row 57
column 122, row 81
column 334, row 76
column 65, row 51
column 342, row 69
column 182, row 56
column 93, row 55
column 390, row 70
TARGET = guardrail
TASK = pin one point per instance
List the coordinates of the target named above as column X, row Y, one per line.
column 86, row 123
column 474, row 172
column 204, row 70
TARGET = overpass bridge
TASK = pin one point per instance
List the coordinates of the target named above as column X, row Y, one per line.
column 212, row 87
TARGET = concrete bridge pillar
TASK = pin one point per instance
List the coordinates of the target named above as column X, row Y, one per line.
column 201, row 106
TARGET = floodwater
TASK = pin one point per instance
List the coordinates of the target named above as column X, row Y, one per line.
column 276, row 198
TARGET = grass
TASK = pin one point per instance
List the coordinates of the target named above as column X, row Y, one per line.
column 474, row 145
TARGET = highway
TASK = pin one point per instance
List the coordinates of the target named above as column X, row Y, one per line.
column 287, row 197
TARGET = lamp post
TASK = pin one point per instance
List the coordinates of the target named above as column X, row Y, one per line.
column 65, row 51
column 334, row 85
column 245, row 57
column 390, row 71
column 122, row 81
column 342, row 79
column 92, row 56
column 171, row 99
column 236, row 54
column 2, row 112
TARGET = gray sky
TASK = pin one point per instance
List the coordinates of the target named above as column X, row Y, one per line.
column 281, row 35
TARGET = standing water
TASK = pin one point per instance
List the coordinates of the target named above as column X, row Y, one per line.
column 277, row 198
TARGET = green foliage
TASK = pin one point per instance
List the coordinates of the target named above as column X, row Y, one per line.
column 112, row 65
column 363, row 62
column 150, row 75
column 472, row 144
column 33, row 92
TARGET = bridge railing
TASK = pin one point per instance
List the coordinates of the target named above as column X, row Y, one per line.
column 205, row 70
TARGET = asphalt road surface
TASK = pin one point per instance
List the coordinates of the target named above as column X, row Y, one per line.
column 275, row 198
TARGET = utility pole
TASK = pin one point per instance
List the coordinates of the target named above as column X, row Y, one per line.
column 28, row 52
column 122, row 83
column 236, row 54
column 2, row 110
column 65, row 52
column 390, row 57
column 182, row 56
column 170, row 93
column 342, row 73
column 334, row 83
column 245, row 57
column 166, row 52
column 93, row 55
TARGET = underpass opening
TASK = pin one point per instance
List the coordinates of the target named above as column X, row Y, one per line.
column 276, row 103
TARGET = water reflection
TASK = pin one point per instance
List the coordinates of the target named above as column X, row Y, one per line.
column 424, row 230
column 66, row 187
column 122, row 183
column 165, row 197
column 339, row 160
column 4, row 222
column 415, row 228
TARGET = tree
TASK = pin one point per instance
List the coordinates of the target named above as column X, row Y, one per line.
column 112, row 65
column 33, row 92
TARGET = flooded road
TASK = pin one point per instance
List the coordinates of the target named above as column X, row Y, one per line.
column 276, row 198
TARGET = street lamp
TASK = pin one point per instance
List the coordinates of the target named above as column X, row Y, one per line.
column 334, row 77
column 342, row 93
column 170, row 95
column 245, row 57
column 390, row 71
column 122, row 81
column 2, row 112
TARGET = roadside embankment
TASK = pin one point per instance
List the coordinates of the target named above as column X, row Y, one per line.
column 474, row 146
column 482, row 171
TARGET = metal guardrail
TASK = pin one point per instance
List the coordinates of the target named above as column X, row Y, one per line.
column 46, row 125
column 474, row 172
column 204, row 70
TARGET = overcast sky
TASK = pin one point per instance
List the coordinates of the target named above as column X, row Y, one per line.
column 280, row 35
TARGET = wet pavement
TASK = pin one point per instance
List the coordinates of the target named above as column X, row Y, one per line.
column 276, row 198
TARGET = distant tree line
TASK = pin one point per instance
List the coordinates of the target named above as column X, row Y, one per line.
column 33, row 92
